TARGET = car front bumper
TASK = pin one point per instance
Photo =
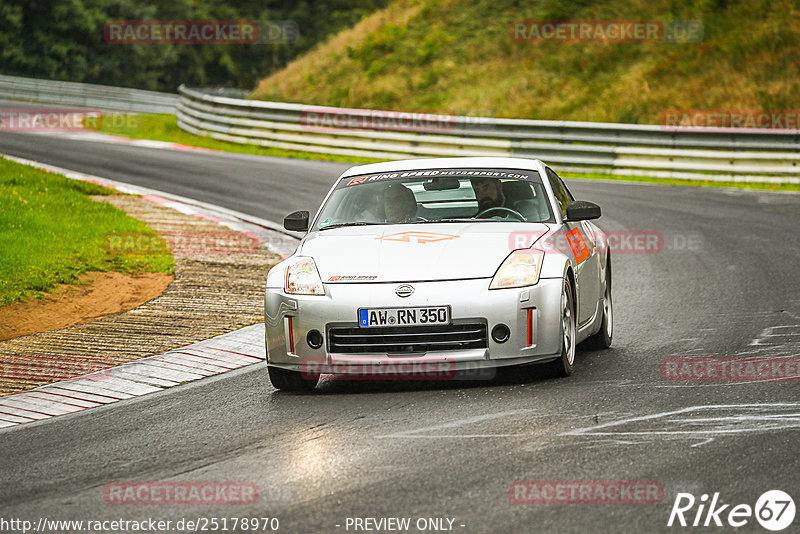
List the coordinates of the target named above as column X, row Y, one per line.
column 532, row 314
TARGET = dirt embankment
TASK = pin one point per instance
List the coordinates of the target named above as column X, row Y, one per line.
column 97, row 294
column 217, row 288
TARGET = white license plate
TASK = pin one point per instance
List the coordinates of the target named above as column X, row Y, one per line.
column 372, row 317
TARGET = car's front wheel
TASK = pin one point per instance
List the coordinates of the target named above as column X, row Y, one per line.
column 562, row 366
column 286, row 380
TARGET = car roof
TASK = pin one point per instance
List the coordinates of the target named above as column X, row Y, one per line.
column 446, row 163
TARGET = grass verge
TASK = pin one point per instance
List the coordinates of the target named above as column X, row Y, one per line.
column 52, row 232
column 675, row 181
column 165, row 128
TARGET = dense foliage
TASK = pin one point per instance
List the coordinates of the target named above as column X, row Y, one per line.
column 63, row 40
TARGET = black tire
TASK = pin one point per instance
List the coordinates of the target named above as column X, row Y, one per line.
column 562, row 366
column 285, row 380
column 602, row 339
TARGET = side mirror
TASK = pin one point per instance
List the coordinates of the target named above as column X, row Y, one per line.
column 582, row 210
column 297, row 221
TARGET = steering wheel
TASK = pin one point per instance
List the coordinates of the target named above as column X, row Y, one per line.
column 501, row 208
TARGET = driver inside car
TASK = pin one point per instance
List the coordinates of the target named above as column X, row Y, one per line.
column 515, row 196
column 399, row 204
column 488, row 193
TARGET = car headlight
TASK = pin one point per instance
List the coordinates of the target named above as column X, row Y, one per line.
column 521, row 268
column 302, row 278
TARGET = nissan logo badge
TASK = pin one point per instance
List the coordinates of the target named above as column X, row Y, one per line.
column 404, row 291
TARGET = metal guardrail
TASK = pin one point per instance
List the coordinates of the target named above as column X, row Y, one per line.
column 101, row 97
column 623, row 149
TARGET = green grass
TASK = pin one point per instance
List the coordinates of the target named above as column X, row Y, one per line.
column 675, row 181
column 165, row 128
column 52, row 232
column 458, row 57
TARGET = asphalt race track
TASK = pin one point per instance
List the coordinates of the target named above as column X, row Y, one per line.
column 235, row 181
column 724, row 283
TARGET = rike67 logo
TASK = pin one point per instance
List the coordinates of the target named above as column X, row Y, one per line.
column 774, row 510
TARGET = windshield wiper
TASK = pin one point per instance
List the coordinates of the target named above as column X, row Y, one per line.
column 342, row 225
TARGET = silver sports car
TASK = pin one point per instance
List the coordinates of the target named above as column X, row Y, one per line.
column 433, row 268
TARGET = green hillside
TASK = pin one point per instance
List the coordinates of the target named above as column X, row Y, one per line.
column 457, row 56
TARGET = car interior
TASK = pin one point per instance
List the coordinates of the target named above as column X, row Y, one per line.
column 365, row 203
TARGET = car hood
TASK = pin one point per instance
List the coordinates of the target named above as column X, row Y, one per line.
column 416, row 252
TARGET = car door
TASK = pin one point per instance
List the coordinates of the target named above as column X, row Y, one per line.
column 580, row 239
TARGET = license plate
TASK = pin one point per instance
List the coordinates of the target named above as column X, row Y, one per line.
column 372, row 317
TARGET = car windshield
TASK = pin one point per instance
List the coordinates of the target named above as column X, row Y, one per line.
column 436, row 195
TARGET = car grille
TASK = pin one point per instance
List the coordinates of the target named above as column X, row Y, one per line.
column 400, row 339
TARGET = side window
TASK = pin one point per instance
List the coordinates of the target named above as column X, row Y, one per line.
column 564, row 186
column 562, row 196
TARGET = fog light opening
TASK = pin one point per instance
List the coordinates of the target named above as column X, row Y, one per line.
column 314, row 339
column 501, row 333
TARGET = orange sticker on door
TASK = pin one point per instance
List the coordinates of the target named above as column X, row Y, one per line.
column 577, row 244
